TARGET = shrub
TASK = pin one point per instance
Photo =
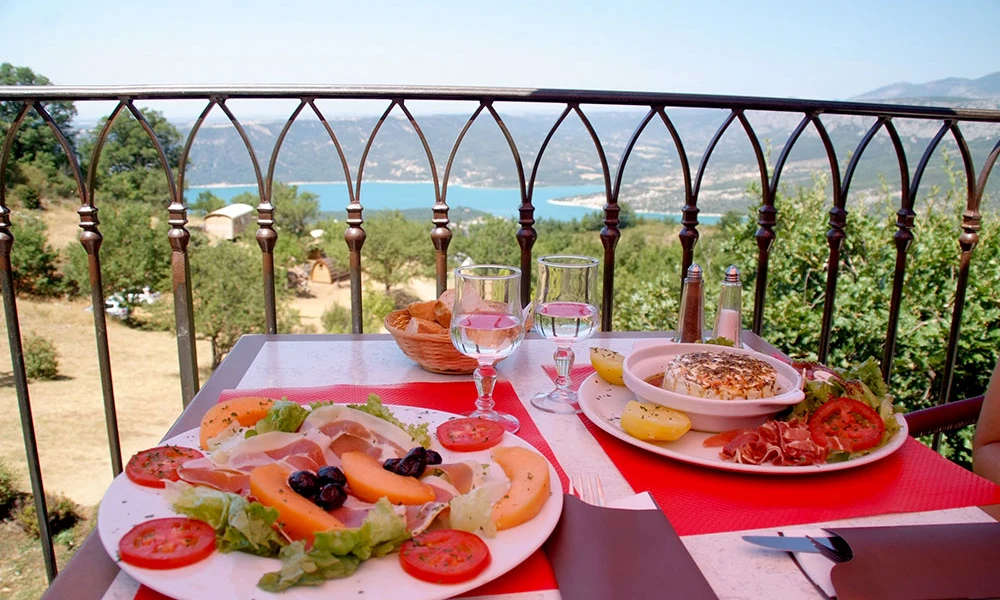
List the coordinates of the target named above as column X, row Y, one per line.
column 9, row 494
column 28, row 196
column 63, row 514
column 40, row 358
column 33, row 260
column 377, row 304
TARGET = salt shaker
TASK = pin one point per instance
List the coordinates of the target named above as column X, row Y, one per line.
column 691, row 321
column 728, row 319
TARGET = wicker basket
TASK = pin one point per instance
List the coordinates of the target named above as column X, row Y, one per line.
column 432, row 351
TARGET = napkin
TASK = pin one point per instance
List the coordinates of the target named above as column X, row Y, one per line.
column 629, row 552
column 920, row 561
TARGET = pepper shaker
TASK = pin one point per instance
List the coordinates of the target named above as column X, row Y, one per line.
column 729, row 318
column 691, row 322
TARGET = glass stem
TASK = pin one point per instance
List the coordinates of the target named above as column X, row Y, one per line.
column 486, row 377
column 564, row 362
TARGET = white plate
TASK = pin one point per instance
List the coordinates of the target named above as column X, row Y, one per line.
column 235, row 575
column 603, row 404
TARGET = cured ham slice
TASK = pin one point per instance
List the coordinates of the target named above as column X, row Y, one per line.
column 461, row 475
column 781, row 443
column 203, row 471
column 350, row 430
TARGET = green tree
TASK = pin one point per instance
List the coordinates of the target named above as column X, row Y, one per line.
column 205, row 203
column 396, row 249
column 32, row 258
column 294, row 211
column 487, row 240
column 135, row 252
column 129, row 167
column 228, row 298
column 35, row 142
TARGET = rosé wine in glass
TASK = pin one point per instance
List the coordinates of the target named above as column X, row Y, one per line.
column 487, row 324
column 565, row 312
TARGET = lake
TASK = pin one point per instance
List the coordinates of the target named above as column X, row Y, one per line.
column 502, row 202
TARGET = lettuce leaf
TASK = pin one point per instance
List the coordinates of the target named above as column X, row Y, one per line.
column 339, row 552
column 239, row 525
column 375, row 408
column 284, row 415
column 473, row 511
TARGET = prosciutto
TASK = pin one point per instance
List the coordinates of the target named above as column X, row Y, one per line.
column 780, row 443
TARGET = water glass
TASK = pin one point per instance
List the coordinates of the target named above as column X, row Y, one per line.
column 565, row 311
column 487, row 324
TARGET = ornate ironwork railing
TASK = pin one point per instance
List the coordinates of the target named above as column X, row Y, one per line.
column 482, row 102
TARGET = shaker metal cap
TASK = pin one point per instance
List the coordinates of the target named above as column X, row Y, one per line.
column 694, row 273
column 732, row 274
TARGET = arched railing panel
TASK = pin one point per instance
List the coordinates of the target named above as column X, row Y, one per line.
column 9, row 295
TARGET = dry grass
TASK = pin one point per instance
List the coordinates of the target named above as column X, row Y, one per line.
column 69, row 412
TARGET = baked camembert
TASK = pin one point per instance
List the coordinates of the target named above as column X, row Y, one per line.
column 721, row 376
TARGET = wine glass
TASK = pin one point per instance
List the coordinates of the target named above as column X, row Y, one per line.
column 487, row 324
column 565, row 312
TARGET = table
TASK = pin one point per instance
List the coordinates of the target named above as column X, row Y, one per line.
column 733, row 568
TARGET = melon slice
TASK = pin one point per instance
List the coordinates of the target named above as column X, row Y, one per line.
column 245, row 411
column 298, row 517
column 369, row 481
column 529, row 485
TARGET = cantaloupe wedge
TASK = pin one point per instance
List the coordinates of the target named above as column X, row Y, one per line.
column 529, row 485
column 246, row 411
column 369, row 481
column 298, row 517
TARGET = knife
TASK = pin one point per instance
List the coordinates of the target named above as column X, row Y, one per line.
column 789, row 543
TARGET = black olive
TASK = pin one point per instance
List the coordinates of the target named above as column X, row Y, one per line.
column 433, row 458
column 419, row 451
column 331, row 496
column 304, row 483
column 332, row 475
column 412, row 465
column 390, row 464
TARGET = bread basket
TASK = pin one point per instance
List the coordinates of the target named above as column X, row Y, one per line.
column 432, row 351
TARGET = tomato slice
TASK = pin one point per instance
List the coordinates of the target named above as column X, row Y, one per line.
column 444, row 556
column 167, row 543
column 723, row 438
column 469, row 435
column 154, row 466
column 846, row 424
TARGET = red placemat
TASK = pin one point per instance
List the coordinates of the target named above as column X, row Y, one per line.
column 532, row 575
column 700, row 500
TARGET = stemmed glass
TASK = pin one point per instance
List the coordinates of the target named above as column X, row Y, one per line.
column 487, row 324
column 565, row 312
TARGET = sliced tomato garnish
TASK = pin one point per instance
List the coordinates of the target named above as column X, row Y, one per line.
column 444, row 556
column 723, row 438
column 469, row 435
column 167, row 543
column 154, row 466
column 846, row 424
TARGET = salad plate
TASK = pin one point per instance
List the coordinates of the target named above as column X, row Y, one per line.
column 603, row 404
column 235, row 575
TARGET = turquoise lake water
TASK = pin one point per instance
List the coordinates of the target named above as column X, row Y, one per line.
column 333, row 198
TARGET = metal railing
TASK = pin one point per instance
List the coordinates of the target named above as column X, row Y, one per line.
column 482, row 103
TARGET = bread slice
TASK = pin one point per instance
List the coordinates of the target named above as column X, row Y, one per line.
column 417, row 325
column 423, row 310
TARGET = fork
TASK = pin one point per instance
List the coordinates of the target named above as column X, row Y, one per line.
column 841, row 553
column 587, row 487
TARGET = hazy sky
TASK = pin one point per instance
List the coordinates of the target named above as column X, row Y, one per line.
column 806, row 49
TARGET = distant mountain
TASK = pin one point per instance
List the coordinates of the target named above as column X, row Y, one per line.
column 951, row 89
column 652, row 180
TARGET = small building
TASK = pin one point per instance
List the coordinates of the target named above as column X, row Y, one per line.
column 325, row 271
column 229, row 221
